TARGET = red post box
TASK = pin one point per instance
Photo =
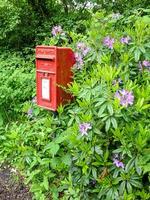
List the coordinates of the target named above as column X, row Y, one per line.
column 53, row 70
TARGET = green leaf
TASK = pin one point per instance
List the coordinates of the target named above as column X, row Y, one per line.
column 137, row 167
column 1, row 120
column 135, row 183
column 52, row 147
column 115, row 174
column 122, row 187
column 60, row 139
column 142, row 49
column 129, row 187
column 145, row 107
column 94, row 173
column 109, row 194
column 101, row 110
column 107, row 126
column 137, row 54
column 106, row 155
column 146, row 168
column 31, row 175
column 98, row 150
column 66, row 159
column 114, row 122
column 139, row 170
column 100, row 102
column 130, row 165
column 46, row 183
column 110, row 109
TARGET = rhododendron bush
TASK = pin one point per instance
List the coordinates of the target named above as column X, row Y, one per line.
column 97, row 147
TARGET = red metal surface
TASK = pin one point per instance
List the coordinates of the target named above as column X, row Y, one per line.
column 53, row 69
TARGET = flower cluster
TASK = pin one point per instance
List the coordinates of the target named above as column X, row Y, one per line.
column 84, row 127
column 108, row 42
column 126, row 97
column 83, row 50
column 125, row 40
column 117, row 162
column 57, row 30
column 79, row 60
column 145, row 64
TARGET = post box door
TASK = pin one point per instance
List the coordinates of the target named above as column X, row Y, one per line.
column 46, row 90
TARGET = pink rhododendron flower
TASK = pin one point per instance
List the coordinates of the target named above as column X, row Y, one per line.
column 118, row 163
column 79, row 60
column 57, row 30
column 125, row 40
column 108, row 42
column 126, row 97
column 146, row 63
column 83, row 48
column 84, row 127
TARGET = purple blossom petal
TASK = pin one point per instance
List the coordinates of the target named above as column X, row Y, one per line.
column 118, row 163
column 79, row 60
column 83, row 48
column 108, row 42
column 84, row 127
column 57, row 30
column 146, row 63
column 117, row 95
column 126, row 97
column 125, row 40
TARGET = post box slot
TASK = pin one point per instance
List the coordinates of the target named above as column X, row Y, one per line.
column 46, row 57
column 51, row 58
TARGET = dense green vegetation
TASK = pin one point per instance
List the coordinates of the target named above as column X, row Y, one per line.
column 97, row 147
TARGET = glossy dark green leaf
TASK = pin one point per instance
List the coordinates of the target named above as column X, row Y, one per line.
column 110, row 109
column 101, row 110
column 114, row 122
column 107, row 126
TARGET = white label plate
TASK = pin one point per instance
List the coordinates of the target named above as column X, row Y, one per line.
column 46, row 89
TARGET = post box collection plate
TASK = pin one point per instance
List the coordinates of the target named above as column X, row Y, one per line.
column 46, row 89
